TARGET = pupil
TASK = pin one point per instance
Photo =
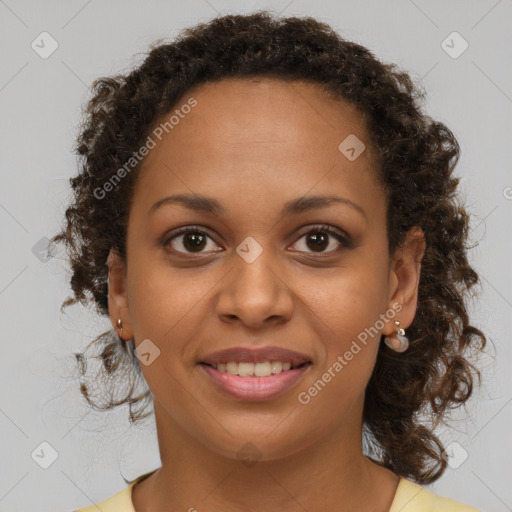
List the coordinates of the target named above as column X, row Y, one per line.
column 319, row 240
column 196, row 241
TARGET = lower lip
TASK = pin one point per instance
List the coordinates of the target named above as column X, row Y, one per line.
column 255, row 388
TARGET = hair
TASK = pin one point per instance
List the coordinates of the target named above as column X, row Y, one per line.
column 408, row 394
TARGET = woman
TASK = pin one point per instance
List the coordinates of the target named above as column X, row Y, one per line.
column 271, row 224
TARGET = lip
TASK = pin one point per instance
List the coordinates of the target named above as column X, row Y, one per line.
column 256, row 355
column 254, row 388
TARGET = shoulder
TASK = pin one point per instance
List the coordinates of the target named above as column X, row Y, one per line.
column 411, row 497
column 120, row 502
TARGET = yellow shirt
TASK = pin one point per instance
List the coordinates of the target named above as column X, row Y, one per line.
column 409, row 497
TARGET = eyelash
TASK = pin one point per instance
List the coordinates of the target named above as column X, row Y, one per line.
column 323, row 228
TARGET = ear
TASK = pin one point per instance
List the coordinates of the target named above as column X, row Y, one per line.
column 404, row 279
column 118, row 306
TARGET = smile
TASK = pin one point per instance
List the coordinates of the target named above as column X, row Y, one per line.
column 254, row 381
column 263, row 369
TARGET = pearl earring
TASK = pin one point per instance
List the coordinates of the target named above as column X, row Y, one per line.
column 398, row 342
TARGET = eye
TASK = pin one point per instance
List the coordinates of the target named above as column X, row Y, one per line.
column 317, row 239
column 190, row 239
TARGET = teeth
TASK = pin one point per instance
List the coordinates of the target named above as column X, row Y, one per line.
column 264, row 369
column 276, row 366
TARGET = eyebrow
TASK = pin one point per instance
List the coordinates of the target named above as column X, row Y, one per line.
column 295, row 206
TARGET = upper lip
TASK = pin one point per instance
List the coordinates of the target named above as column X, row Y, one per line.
column 256, row 355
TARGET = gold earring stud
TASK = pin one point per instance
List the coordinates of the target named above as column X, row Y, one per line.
column 120, row 327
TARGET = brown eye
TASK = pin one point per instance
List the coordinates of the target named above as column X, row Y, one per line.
column 194, row 241
column 321, row 238
column 189, row 240
column 318, row 241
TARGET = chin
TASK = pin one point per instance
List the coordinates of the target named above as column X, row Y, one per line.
column 263, row 444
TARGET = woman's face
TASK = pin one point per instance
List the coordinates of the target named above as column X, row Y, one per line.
column 262, row 276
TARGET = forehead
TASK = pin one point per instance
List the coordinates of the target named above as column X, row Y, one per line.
column 272, row 110
column 252, row 134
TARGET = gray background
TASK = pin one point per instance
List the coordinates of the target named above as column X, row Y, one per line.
column 40, row 101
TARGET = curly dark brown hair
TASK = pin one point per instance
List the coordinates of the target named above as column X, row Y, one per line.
column 408, row 394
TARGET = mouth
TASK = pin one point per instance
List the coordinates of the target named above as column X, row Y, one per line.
column 251, row 374
column 259, row 369
column 254, row 388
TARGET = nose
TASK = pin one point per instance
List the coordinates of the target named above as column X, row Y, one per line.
column 255, row 294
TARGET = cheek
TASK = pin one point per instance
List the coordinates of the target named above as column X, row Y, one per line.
column 163, row 299
column 350, row 299
column 350, row 307
column 350, row 347
column 165, row 308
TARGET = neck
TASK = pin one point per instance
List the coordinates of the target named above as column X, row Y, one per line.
column 331, row 473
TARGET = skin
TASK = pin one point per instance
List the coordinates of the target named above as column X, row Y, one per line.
column 253, row 145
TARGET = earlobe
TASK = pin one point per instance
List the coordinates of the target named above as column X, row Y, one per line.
column 117, row 295
column 405, row 278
